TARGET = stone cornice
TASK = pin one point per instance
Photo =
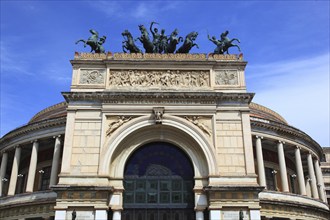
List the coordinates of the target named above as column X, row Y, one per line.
column 158, row 56
column 187, row 98
column 26, row 129
column 286, row 131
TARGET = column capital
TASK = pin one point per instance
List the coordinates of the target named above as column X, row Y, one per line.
column 17, row 146
column 259, row 137
column 57, row 136
column 3, row 152
column 281, row 142
column 298, row 147
column 34, row 141
column 294, row 176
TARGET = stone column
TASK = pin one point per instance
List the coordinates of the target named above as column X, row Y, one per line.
column 319, row 179
column 300, row 172
column 199, row 215
column 255, row 214
column 33, row 167
column 55, row 162
column 283, row 171
column 14, row 172
column 260, row 161
column 215, row 214
column 312, row 176
column 60, row 214
column 3, row 169
column 101, row 214
column 116, row 215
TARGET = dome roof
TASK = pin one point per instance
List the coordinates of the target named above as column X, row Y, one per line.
column 59, row 110
column 260, row 111
column 54, row 111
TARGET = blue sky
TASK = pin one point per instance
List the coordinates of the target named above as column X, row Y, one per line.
column 286, row 44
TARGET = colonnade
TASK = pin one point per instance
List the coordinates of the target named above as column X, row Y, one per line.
column 32, row 167
column 314, row 183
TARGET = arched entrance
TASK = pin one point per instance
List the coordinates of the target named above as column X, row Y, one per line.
column 158, row 182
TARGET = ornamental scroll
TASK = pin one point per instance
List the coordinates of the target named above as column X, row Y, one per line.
column 160, row 78
column 92, row 76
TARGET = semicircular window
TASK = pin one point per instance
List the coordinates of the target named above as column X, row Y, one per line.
column 158, row 182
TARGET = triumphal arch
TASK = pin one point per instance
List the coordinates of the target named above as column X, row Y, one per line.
column 158, row 136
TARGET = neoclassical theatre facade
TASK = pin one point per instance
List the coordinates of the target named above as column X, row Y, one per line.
column 160, row 137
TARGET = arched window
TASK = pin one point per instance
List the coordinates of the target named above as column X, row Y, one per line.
column 158, row 182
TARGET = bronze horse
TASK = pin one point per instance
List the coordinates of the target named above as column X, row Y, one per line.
column 93, row 42
column 145, row 40
column 227, row 43
column 188, row 43
column 129, row 44
column 173, row 41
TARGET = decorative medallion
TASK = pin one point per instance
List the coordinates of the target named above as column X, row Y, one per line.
column 226, row 77
column 92, row 76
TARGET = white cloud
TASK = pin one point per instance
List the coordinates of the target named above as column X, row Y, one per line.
column 131, row 10
column 299, row 91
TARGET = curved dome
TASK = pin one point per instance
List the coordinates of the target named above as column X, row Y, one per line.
column 54, row 111
column 59, row 110
column 260, row 111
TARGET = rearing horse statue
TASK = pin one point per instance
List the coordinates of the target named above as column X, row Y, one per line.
column 224, row 43
column 93, row 42
column 188, row 43
column 129, row 44
column 173, row 41
column 145, row 40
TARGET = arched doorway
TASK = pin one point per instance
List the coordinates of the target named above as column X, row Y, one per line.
column 158, row 182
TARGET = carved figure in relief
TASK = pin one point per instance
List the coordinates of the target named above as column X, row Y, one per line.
column 116, row 124
column 163, row 78
column 188, row 43
column 145, row 40
column 226, row 77
column 195, row 121
column 173, row 41
column 158, row 112
column 94, row 42
column 129, row 44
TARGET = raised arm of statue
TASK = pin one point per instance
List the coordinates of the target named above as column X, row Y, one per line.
column 152, row 31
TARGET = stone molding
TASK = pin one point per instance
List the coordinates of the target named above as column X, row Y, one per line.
column 287, row 131
column 190, row 98
column 157, row 56
column 26, row 129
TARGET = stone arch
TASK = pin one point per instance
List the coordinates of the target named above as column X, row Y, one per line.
column 140, row 131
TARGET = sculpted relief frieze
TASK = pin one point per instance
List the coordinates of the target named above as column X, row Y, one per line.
column 160, row 78
column 226, row 77
column 116, row 122
column 200, row 122
column 88, row 76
